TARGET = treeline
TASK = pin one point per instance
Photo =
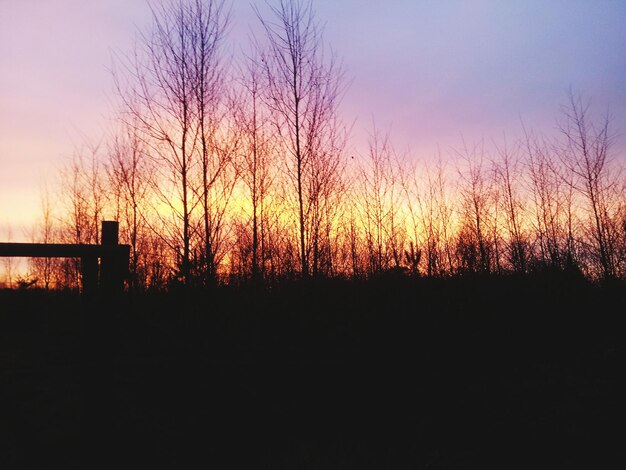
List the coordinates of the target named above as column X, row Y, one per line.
column 227, row 169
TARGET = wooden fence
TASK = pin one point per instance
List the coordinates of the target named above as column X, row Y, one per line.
column 107, row 275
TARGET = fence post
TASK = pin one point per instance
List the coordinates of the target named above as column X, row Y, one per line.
column 89, row 274
column 110, row 233
column 114, row 264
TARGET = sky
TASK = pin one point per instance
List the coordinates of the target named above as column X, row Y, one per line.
column 431, row 72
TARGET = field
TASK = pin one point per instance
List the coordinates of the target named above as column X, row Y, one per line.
column 468, row 372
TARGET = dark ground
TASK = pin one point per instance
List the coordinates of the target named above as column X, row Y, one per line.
column 396, row 373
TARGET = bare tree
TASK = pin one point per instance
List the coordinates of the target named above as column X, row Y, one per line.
column 421, row 200
column 546, row 193
column 255, row 165
column 209, row 23
column 303, row 89
column 83, row 196
column 585, row 152
column 81, row 180
column 474, row 240
column 44, row 268
column 130, row 178
column 159, row 99
column 380, row 192
column 444, row 212
column 172, row 90
column 507, row 174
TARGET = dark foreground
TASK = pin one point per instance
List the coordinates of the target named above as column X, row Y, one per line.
column 396, row 373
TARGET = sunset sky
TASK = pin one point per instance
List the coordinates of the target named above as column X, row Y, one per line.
column 430, row 71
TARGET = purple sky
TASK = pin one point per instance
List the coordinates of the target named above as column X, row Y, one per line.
column 429, row 70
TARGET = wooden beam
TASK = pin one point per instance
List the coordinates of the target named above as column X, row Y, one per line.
column 59, row 250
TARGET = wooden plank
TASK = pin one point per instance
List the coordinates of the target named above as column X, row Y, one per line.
column 59, row 250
